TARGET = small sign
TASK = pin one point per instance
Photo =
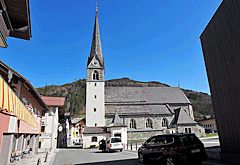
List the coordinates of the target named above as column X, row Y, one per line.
column 29, row 108
column 60, row 128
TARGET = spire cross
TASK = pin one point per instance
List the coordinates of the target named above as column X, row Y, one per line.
column 96, row 6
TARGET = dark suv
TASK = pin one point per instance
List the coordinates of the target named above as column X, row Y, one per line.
column 173, row 149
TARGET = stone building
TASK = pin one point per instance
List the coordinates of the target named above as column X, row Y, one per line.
column 148, row 111
column 131, row 112
column 220, row 44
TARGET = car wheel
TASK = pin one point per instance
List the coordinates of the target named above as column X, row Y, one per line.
column 170, row 161
column 121, row 150
column 141, row 158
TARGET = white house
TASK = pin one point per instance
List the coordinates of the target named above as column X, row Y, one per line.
column 50, row 122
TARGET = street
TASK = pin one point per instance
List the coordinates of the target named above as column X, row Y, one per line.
column 74, row 155
column 79, row 156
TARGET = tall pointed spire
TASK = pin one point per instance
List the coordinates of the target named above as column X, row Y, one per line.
column 96, row 48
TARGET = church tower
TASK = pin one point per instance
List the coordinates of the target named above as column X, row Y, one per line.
column 95, row 110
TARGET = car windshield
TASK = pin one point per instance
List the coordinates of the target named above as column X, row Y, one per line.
column 189, row 140
column 115, row 140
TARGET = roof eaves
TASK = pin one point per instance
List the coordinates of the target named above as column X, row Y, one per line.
column 29, row 85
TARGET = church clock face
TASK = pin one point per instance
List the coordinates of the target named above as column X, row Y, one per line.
column 95, row 63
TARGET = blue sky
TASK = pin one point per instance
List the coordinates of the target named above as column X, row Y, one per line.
column 144, row 40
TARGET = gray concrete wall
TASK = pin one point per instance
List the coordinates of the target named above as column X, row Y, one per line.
column 6, row 148
column 142, row 135
column 20, row 142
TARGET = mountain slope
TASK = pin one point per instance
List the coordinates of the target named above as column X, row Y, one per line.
column 75, row 95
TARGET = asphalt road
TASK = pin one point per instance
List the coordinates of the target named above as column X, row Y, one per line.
column 74, row 156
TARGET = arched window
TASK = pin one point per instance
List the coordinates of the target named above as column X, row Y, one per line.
column 149, row 123
column 164, row 122
column 95, row 75
column 133, row 124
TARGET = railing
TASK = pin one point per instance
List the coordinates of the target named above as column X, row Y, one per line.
column 133, row 145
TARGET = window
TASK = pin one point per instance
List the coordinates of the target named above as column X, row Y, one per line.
column 160, row 140
column 133, row 124
column 95, row 75
column 188, row 130
column 95, row 124
column 42, row 128
column 164, row 122
column 95, row 96
column 149, row 123
column 117, row 135
column 95, row 84
column 95, row 109
column 116, row 140
column 94, row 139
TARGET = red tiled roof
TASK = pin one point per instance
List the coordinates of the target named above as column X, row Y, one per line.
column 57, row 101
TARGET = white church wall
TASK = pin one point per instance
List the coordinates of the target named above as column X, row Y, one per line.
column 95, row 110
column 87, row 139
column 119, row 130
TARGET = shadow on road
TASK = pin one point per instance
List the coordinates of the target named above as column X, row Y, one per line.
column 127, row 162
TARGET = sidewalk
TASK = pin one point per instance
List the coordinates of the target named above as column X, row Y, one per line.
column 40, row 158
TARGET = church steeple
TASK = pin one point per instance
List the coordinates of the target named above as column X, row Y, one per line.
column 96, row 49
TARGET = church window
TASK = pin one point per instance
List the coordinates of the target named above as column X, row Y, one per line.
column 164, row 122
column 149, row 123
column 95, row 75
column 94, row 139
column 95, row 109
column 188, row 130
column 133, row 124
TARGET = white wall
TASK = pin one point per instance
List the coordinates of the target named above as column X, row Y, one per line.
column 122, row 130
column 87, row 139
column 49, row 137
column 98, row 103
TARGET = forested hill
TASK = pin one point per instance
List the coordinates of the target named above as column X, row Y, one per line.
column 75, row 95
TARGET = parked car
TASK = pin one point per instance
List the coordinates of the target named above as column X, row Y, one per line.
column 113, row 144
column 173, row 149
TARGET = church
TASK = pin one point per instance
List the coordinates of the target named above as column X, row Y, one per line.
column 131, row 112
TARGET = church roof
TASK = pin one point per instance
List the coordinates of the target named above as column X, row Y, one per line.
column 150, row 95
column 181, row 117
column 96, row 49
column 139, row 109
column 95, row 130
column 117, row 122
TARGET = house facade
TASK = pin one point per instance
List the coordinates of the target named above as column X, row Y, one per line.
column 21, row 108
column 209, row 123
column 50, row 122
